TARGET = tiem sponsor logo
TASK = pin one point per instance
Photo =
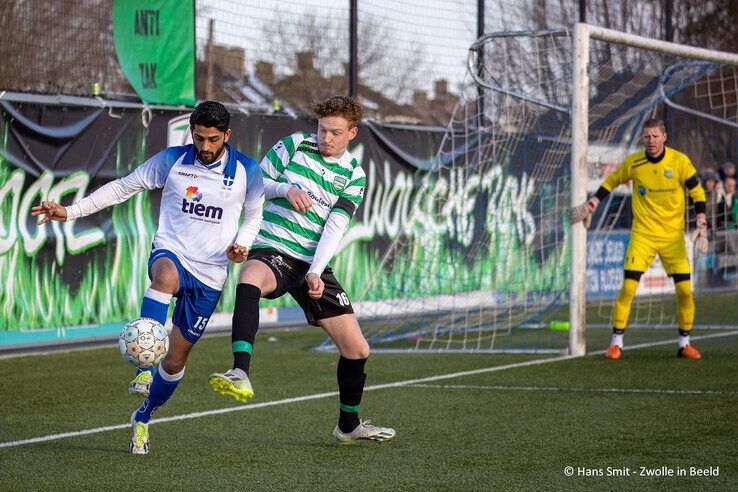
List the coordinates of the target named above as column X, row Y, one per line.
column 191, row 205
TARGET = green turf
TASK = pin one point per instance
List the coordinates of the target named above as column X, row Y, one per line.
column 514, row 429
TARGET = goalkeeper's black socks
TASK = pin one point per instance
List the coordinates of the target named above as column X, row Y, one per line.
column 245, row 325
column 351, row 378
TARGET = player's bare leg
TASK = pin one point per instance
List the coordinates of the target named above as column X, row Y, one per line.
column 255, row 280
column 345, row 332
column 166, row 379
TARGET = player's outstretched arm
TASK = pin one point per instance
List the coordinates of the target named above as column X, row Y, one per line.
column 50, row 211
column 148, row 175
column 584, row 211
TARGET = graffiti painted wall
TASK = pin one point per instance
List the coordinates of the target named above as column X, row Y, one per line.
column 93, row 271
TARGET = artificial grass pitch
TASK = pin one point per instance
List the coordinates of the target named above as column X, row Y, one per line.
column 509, row 429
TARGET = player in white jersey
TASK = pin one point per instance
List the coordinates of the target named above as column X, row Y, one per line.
column 207, row 186
column 313, row 186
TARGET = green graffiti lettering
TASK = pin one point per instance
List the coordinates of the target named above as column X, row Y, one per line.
column 75, row 243
column 8, row 227
column 39, row 188
column 18, row 221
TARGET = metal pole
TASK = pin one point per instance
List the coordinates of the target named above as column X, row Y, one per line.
column 194, row 47
column 582, row 10
column 669, row 35
column 480, row 59
column 579, row 139
column 353, row 49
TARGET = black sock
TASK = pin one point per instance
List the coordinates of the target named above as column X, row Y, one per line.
column 245, row 325
column 351, row 378
column 618, row 331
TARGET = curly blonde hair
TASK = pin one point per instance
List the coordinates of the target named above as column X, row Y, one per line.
column 346, row 107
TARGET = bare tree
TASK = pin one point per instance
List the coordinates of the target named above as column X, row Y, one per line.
column 381, row 66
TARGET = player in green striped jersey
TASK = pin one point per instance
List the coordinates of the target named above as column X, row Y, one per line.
column 313, row 186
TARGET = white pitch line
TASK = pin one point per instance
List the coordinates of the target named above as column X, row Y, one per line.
column 576, row 390
column 408, row 382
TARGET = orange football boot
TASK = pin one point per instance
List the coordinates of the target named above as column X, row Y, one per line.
column 688, row 352
column 613, row 352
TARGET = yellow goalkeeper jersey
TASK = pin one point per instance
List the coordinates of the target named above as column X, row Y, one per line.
column 658, row 191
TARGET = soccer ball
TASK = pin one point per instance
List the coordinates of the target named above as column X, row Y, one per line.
column 143, row 342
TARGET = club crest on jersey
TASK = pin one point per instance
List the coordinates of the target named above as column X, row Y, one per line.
column 668, row 173
column 642, row 190
column 339, row 182
column 227, row 181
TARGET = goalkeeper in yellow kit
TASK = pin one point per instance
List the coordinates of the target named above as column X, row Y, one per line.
column 660, row 176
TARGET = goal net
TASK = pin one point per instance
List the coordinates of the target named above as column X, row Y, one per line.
column 487, row 261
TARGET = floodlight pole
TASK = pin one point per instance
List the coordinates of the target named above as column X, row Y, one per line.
column 480, row 59
column 579, row 138
column 353, row 48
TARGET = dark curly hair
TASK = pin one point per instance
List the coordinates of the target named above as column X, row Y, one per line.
column 347, row 107
column 211, row 114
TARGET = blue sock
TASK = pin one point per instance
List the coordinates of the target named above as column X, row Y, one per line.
column 153, row 308
column 161, row 390
column 154, row 305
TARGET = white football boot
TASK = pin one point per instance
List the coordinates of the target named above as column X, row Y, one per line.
column 364, row 431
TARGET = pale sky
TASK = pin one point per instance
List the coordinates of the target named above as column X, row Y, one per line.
column 436, row 32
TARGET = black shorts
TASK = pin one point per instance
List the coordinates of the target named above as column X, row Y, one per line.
column 290, row 274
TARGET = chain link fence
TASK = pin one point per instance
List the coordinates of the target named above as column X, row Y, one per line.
column 267, row 56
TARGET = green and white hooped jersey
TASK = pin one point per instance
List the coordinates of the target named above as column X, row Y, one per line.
column 334, row 185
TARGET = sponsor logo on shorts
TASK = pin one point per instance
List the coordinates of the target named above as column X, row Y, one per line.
column 278, row 262
column 642, row 190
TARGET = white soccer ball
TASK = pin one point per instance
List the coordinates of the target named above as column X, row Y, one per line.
column 143, row 342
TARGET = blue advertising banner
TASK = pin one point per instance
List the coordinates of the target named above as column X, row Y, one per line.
column 605, row 254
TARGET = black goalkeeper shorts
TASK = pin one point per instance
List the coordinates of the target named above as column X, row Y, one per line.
column 290, row 274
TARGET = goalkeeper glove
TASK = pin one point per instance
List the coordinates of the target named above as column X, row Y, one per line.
column 699, row 235
column 584, row 211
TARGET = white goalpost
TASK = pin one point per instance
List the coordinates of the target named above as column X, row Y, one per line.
column 583, row 33
column 486, row 260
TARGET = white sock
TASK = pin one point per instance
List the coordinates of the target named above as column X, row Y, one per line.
column 683, row 341
column 161, row 297
column 170, row 377
column 617, row 339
